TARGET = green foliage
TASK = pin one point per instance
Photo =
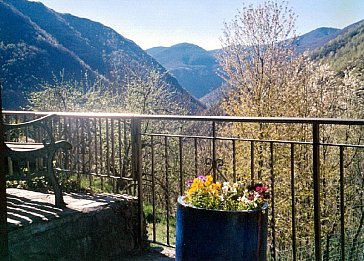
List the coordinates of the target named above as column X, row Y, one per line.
column 160, row 225
column 20, row 184
column 344, row 51
column 139, row 92
column 148, row 212
column 35, row 183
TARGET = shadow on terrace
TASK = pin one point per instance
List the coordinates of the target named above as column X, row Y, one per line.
column 314, row 168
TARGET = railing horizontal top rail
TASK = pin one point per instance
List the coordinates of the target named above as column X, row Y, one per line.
column 291, row 120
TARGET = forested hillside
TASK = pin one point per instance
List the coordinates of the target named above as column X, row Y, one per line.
column 38, row 44
column 345, row 50
column 28, row 55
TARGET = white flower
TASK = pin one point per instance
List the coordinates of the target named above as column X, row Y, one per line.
column 225, row 187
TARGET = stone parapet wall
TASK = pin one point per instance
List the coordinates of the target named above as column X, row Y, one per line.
column 102, row 228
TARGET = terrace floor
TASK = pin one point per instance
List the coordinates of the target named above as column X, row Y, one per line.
column 153, row 254
column 26, row 208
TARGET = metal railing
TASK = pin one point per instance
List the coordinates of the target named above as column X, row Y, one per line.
column 316, row 178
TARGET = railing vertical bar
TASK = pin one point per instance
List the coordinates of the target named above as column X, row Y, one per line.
column 51, row 124
column 83, row 147
column 180, row 146
column 26, row 140
column 342, row 203
column 6, row 119
column 137, row 171
column 196, row 156
column 125, row 149
column 26, row 129
column 89, row 138
column 316, row 187
column 101, row 155
column 234, row 160
column 293, row 201
column 7, row 138
column 60, row 128
column 273, row 221
column 153, row 189
column 40, row 130
column 167, row 184
column 252, row 161
column 120, row 146
column 78, row 168
column 113, row 168
column 67, row 136
column 95, row 145
column 214, row 163
column 56, row 124
column 107, row 147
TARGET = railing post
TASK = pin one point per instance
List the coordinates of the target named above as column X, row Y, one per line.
column 137, row 172
column 214, row 162
column 316, row 187
column 3, row 213
column 342, row 204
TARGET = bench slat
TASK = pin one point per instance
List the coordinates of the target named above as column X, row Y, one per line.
column 15, row 146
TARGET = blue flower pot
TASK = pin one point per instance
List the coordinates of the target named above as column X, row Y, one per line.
column 204, row 234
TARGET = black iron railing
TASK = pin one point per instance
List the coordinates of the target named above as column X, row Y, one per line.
column 316, row 178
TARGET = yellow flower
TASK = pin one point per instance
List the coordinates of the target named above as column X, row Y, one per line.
column 208, row 181
column 217, row 185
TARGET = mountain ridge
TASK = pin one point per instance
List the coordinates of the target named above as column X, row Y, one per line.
column 83, row 47
column 195, row 68
column 22, row 58
column 315, row 38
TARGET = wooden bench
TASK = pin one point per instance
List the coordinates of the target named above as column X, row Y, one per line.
column 32, row 151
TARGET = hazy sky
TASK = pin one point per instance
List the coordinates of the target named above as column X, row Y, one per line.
column 152, row 23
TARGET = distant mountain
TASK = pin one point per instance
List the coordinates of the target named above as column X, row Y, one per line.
column 316, row 38
column 37, row 43
column 194, row 67
column 154, row 51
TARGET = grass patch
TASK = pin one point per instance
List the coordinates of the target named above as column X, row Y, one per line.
column 162, row 234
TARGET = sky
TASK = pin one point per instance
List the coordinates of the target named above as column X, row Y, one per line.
column 151, row 23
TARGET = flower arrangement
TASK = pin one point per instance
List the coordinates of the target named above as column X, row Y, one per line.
column 202, row 192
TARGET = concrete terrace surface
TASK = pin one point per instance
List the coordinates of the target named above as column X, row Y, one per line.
column 26, row 208
column 152, row 254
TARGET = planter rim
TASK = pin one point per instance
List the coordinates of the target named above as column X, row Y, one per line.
column 181, row 202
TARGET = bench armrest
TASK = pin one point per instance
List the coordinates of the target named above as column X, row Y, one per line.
column 37, row 123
